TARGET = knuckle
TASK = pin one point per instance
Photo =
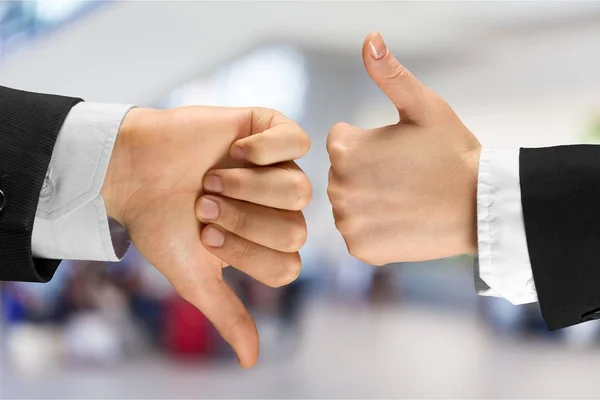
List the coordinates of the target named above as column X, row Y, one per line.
column 290, row 271
column 264, row 116
column 296, row 236
column 268, row 111
column 336, row 190
column 440, row 107
column 239, row 252
column 239, row 220
column 336, row 198
column 304, row 144
column 236, row 327
column 343, row 206
column 265, row 112
column 363, row 253
column 338, row 129
column 366, row 251
column 337, row 136
column 238, row 119
column 341, row 148
column 285, row 270
column 338, row 151
column 332, row 193
column 347, row 227
column 346, row 223
column 395, row 71
column 302, row 191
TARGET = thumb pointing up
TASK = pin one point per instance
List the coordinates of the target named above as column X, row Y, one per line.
column 399, row 85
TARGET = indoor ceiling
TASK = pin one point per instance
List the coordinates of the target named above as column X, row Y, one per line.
column 132, row 51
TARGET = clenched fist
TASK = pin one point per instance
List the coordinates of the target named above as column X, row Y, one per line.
column 405, row 192
column 200, row 188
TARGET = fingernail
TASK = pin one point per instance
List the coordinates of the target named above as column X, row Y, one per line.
column 378, row 47
column 208, row 209
column 213, row 237
column 213, row 183
column 237, row 153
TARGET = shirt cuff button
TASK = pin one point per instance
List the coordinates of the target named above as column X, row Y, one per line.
column 531, row 286
column 2, row 200
column 47, row 189
column 486, row 196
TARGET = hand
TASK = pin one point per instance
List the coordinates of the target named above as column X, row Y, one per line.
column 153, row 185
column 405, row 192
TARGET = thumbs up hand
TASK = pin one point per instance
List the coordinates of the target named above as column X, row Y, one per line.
column 405, row 192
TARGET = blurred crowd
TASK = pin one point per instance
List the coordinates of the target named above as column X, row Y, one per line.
column 101, row 314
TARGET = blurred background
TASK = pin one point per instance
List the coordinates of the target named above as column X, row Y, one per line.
column 518, row 73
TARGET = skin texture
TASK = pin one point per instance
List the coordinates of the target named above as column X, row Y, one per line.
column 404, row 192
column 156, row 187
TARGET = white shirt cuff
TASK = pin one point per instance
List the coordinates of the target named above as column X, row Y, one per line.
column 71, row 220
column 503, row 263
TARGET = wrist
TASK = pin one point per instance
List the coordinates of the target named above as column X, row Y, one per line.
column 118, row 182
column 472, row 172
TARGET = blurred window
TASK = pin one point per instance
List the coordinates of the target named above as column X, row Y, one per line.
column 23, row 20
column 273, row 77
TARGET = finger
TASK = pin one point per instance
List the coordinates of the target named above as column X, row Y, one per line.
column 284, row 142
column 215, row 299
column 342, row 145
column 271, row 267
column 262, row 119
column 333, row 186
column 398, row 84
column 279, row 230
column 284, row 186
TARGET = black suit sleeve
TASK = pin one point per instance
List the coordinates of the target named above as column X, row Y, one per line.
column 560, row 195
column 29, row 125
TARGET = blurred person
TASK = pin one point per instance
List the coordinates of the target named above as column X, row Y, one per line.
column 195, row 188
column 98, row 326
column 186, row 331
column 382, row 288
column 148, row 290
column 293, row 299
column 424, row 188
